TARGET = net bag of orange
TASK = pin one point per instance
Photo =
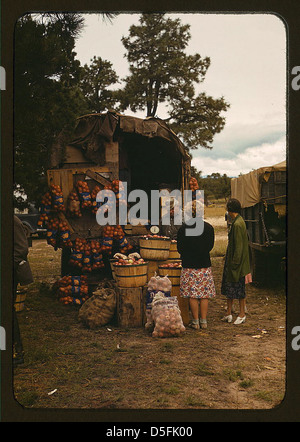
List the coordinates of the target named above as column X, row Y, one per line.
column 84, row 194
column 108, row 238
column 97, row 257
column 87, row 258
column 52, row 231
column 118, row 188
column 64, row 240
column 45, row 209
column 76, row 258
column 95, row 203
column 124, row 245
column 57, row 198
column 74, row 204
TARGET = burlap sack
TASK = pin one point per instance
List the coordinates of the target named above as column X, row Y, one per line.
column 99, row 309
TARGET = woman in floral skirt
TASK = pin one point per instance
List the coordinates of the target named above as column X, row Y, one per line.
column 196, row 281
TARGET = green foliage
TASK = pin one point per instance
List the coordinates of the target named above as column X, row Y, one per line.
column 215, row 185
column 95, row 81
column 52, row 89
column 47, row 96
column 161, row 71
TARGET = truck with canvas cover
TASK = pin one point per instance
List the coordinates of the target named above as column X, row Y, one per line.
column 108, row 147
column 263, row 197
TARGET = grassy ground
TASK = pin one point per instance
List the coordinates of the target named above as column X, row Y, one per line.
column 224, row 367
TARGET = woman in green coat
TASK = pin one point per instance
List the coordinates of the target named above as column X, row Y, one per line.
column 237, row 265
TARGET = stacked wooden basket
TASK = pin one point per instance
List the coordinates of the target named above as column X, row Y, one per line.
column 159, row 256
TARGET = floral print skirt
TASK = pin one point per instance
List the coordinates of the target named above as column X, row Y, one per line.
column 197, row 283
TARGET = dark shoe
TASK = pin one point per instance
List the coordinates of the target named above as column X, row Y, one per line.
column 18, row 357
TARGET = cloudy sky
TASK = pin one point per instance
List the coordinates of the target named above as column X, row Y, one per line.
column 248, row 68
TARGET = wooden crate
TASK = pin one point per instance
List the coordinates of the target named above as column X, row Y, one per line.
column 130, row 307
column 67, row 178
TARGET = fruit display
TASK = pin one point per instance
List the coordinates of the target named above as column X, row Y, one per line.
column 86, row 255
column 171, row 265
column 74, row 204
column 52, row 231
column 64, row 238
column 150, row 236
column 132, row 259
column 95, row 204
column 118, row 188
column 45, row 209
column 193, row 183
column 84, row 194
column 72, row 280
column 73, row 290
column 76, row 257
column 107, row 239
column 58, row 233
column 166, row 316
column 97, row 257
column 57, row 198
column 111, row 233
column 124, row 245
column 87, row 258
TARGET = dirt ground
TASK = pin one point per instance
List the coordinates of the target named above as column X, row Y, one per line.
column 68, row 366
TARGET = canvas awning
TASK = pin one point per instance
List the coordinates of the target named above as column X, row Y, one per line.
column 247, row 188
column 107, row 124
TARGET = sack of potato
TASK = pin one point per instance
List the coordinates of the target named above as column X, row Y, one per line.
column 156, row 284
column 167, row 317
column 99, row 309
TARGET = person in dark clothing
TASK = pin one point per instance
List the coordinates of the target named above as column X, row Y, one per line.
column 236, row 273
column 168, row 227
column 23, row 276
column 196, row 281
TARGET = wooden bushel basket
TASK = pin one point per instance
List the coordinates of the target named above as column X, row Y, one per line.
column 173, row 273
column 132, row 275
column 155, row 249
column 112, row 261
column 20, row 301
column 174, row 255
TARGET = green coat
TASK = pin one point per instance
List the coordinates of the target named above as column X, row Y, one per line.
column 237, row 263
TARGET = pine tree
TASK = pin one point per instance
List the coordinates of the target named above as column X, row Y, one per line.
column 162, row 72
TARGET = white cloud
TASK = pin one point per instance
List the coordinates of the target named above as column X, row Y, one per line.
column 252, row 158
column 248, row 68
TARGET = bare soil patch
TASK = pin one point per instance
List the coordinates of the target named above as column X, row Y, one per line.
column 224, row 367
